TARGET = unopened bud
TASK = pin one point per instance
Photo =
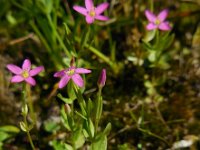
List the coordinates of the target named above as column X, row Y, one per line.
column 72, row 62
column 67, row 109
column 25, row 110
column 102, row 78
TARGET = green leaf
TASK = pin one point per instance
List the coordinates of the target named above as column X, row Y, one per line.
column 4, row 136
column 107, row 129
column 1, row 145
column 152, row 56
column 66, row 119
column 85, row 133
column 85, row 36
column 149, row 36
column 79, row 114
column 57, row 145
column 68, row 31
column 51, row 126
column 91, row 128
column 70, row 90
column 65, row 100
column 10, row 128
column 89, row 107
column 78, row 138
column 100, row 144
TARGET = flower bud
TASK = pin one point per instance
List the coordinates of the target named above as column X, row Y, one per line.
column 67, row 109
column 102, row 78
column 25, row 110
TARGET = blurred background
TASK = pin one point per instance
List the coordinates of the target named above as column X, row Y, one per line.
column 152, row 102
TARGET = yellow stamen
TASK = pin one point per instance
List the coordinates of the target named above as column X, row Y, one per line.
column 157, row 22
column 71, row 72
column 92, row 13
column 25, row 74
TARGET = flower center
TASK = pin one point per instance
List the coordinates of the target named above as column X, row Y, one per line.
column 25, row 74
column 92, row 12
column 157, row 22
column 71, row 72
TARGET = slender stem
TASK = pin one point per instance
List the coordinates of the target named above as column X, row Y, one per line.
column 30, row 140
column 43, row 40
column 99, row 108
column 30, row 103
column 40, row 36
column 52, row 27
column 151, row 5
column 96, row 52
column 80, row 100
column 58, row 36
column 160, row 115
column 25, row 93
column 152, row 134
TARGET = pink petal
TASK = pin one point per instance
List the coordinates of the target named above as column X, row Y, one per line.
column 36, row 70
column 89, row 4
column 102, row 78
column 26, row 65
column 89, row 19
column 102, row 18
column 81, row 10
column 101, row 8
column 82, row 71
column 14, row 69
column 17, row 78
column 59, row 73
column 150, row 16
column 151, row 26
column 78, row 80
column 64, row 80
column 164, row 26
column 163, row 15
column 30, row 80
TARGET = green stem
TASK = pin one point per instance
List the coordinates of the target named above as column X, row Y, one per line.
column 80, row 100
column 43, row 40
column 58, row 36
column 30, row 140
column 160, row 115
column 151, row 5
column 25, row 93
column 40, row 36
column 30, row 103
column 99, row 108
column 97, row 53
column 152, row 134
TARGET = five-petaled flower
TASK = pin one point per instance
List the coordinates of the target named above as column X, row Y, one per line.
column 25, row 73
column 71, row 73
column 157, row 22
column 91, row 13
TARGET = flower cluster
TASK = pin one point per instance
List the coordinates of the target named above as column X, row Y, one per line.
column 26, row 74
column 91, row 14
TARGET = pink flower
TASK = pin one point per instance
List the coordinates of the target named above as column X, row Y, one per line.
column 102, row 78
column 25, row 73
column 71, row 73
column 91, row 13
column 157, row 22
